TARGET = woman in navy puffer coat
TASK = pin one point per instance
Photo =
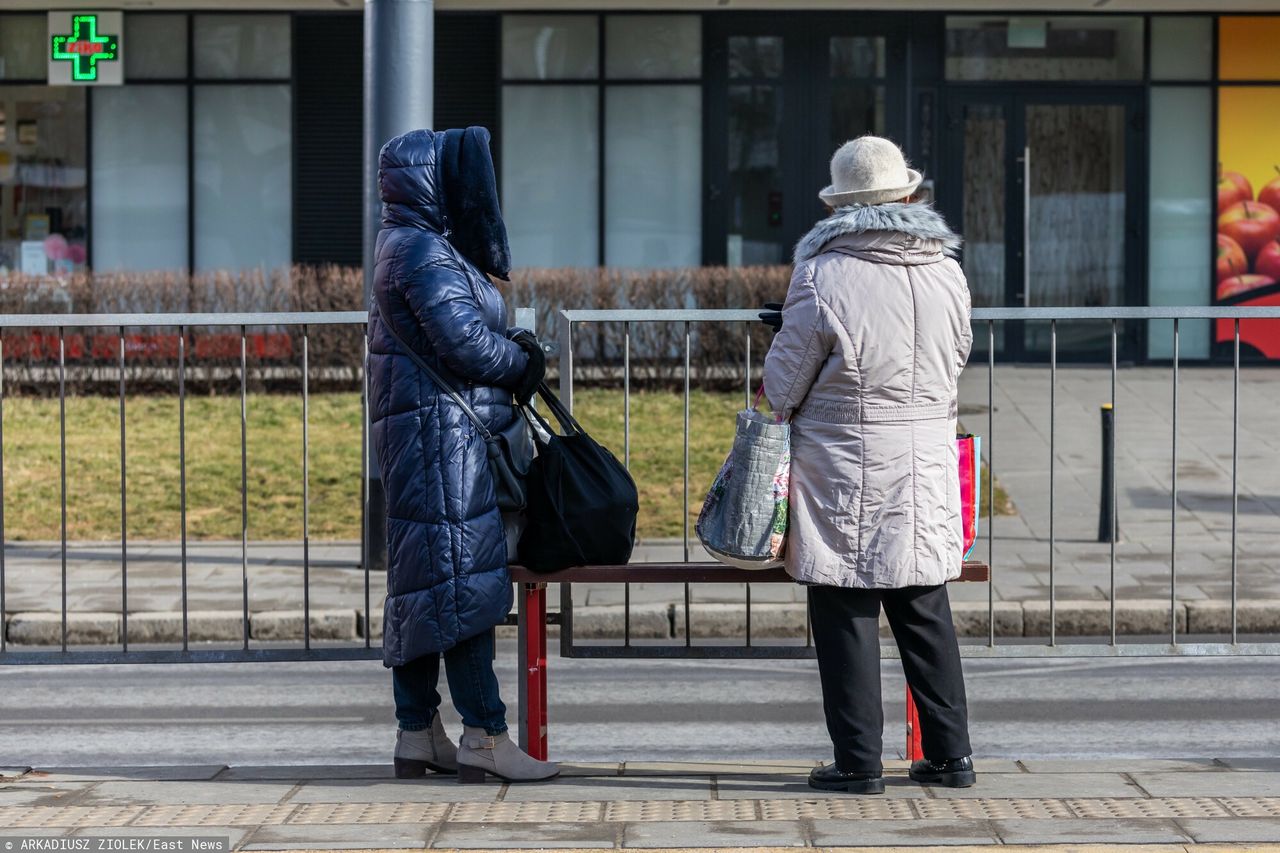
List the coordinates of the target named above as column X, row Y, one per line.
column 447, row 582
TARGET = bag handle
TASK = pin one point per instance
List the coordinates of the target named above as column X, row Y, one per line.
column 567, row 422
column 755, row 406
column 436, row 378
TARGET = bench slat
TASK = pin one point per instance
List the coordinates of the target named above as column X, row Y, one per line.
column 973, row 571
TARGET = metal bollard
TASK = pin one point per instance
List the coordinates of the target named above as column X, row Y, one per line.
column 1108, row 525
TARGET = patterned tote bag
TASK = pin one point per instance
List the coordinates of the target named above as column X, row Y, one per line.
column 743, row 521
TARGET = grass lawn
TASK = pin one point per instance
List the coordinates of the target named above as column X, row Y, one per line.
column 31, row 470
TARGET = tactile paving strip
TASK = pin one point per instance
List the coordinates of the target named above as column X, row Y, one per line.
column 651, row 810
column 567, row 812
column 36, row 817
column 636, row 811
column 339, row 813
column 1107, row 807
column 851, row 808
column 210, row 815
column 993, row 809
column 1252, row 806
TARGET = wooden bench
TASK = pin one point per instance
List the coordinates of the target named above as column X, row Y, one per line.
column 532, row 621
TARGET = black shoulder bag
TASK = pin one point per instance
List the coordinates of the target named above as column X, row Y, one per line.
column 582, row 502
column 510, row 451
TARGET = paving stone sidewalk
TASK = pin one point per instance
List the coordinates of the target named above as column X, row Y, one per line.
column 1020, row 444
column 636, row 805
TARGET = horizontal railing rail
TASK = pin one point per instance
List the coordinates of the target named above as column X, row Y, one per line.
column 722, row 315
column 130, row 321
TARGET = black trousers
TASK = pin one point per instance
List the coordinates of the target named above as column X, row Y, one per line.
column 846, row 636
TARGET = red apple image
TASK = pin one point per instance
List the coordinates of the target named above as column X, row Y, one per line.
column 1236, row 285
column 1268, row 262
column 1250, row 224
column 1231, row 259
column 1270, row 194
column 1233, row 187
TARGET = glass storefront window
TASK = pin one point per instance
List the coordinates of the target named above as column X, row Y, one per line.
column 549, row 47
column 243, row 177
column 1180, row 148
column 140, row 178
column 1181, row 48
column 755, row 56
column 1076, row 219
column 43, row 192
column 22, row 53
column 856, row 56
column 1104, row 47
column 242, row 46
column 551, row 135
column 653, row 46
column 653, row 169
column 755, row 175
column 550, row 180
column 983, row 184
column 156, row 47
column 857, row 107
column 1247, row 47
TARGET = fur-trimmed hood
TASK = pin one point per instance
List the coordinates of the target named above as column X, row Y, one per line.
column 919, row 223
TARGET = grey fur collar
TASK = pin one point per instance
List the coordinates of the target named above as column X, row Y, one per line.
column 914, row 220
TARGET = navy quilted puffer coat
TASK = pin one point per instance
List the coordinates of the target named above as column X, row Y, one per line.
column 441, row 233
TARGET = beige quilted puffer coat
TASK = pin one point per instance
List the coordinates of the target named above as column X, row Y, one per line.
column 875, row 332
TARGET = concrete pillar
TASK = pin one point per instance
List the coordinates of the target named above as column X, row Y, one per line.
column 399, row 75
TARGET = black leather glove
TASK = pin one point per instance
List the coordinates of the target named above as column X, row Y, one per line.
column 771, row 316
column 535, row 370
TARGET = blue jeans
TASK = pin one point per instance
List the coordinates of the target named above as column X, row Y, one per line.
column 472, row 684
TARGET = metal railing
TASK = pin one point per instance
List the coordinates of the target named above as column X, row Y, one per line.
column 182, row 324
column 628, row 319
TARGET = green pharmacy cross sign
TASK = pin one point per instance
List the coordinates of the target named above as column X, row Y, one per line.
column 84, row 48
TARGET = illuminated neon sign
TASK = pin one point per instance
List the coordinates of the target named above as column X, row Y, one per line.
column 83, row 49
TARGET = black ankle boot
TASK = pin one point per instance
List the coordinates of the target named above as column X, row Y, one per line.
column 952, row 773
column 832, row 778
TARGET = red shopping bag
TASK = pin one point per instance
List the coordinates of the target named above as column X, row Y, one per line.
column 969, row 449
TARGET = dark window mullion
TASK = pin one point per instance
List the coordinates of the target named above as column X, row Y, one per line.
column 600, row 143
column 191, row 145
column 90, row 236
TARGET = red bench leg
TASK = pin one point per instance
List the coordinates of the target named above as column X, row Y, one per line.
column 535, row 668
column 914, row 750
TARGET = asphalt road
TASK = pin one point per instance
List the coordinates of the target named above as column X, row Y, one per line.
column 627, row 710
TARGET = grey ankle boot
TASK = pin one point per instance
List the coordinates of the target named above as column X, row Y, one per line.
column 482, row 753
column 423, row 750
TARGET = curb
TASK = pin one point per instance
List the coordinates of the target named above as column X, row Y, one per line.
column 656, row 621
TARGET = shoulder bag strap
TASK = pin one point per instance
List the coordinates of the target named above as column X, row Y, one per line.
column 437, row 378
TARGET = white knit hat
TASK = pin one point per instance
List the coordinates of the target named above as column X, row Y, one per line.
column 869, row 170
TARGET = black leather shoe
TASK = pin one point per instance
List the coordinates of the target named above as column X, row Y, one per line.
column 832, row 778
column 952, row 773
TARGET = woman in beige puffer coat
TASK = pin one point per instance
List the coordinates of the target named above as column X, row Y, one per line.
column 874, row 333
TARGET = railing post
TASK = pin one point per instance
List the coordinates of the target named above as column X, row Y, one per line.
column 531, row 642
column 1107, row 522
column 564, row 337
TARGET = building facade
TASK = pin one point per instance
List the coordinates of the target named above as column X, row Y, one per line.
column 1110, row 158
